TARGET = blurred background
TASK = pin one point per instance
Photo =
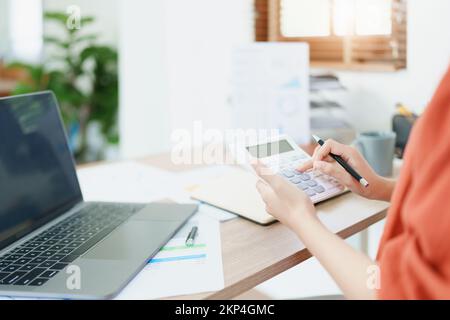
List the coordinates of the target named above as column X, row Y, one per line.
column 129, row 73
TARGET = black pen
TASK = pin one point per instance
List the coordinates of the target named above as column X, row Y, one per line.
column 191, row 237
column 344, row 164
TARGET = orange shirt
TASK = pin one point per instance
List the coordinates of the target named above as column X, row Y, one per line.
column 414, row 254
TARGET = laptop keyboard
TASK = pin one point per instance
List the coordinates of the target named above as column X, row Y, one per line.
column 42, row 257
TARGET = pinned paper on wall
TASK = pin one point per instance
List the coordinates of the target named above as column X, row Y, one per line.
column 270, row 88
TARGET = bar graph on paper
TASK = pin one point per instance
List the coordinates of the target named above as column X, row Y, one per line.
column 176, row 250
column 178, row 269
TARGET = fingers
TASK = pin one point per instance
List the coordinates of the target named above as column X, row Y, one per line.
column 308, row 164
column 331, row 146
column 334, row 170
column 322, row 153
column 316, row 149
column 305, row 166
column 266, row 193
column 276, row 187
column 263, row 189
column 267, row 175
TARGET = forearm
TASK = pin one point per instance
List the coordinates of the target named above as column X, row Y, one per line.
column 384, row 189
column 348, row 267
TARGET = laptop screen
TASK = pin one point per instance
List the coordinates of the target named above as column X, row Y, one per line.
column 38, row 181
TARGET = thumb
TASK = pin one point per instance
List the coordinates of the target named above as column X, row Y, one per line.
column 265, row 191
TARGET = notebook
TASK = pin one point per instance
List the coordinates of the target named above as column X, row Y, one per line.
column 236, row 192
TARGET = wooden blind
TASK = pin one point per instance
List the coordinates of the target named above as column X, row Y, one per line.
column 378, row 52
column 261, row 20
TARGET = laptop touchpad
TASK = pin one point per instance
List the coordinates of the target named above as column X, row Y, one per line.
column 134, row 240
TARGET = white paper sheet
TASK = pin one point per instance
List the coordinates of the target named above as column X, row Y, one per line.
column 125, row 182
column 188, row 179
column 134, row 182
column 216, row 213
column 180, row 270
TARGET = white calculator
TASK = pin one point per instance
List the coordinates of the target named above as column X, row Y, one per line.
column 282, row 155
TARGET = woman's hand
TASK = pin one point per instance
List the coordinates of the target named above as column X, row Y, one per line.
column 283, row 200
column 379, row 188
column 292, row 207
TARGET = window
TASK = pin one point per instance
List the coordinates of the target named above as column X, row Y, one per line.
column 346, row 34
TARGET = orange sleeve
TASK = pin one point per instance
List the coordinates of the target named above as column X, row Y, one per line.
column 414, row 255
column 416, row 263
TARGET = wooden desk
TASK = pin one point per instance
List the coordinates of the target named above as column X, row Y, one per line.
column 253, row 254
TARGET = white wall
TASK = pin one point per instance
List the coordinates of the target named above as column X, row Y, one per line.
column 21, row 41
column 175, row 65
column 4, row 32
column 201, row 35
column 174, row 62
column 144, row 96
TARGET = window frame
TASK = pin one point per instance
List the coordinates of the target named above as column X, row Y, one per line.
column 342, row 52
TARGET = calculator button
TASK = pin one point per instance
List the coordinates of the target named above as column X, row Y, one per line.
column 305, row 177
column 310, row 192
column 288, row 173
column 296, row 180
column 311, row 183
column 319, row 189
column 303, row 186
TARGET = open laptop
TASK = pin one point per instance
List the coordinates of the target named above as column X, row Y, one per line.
column 52, row 243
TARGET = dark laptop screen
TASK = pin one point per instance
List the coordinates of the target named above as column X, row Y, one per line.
column 38, row 181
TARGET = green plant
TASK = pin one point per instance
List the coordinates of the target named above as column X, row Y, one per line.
column 84, row 78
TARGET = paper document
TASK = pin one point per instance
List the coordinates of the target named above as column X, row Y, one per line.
column 189, row 179
column 216, row 213
column 125, row 182
column 134, row 182
column 181, row 270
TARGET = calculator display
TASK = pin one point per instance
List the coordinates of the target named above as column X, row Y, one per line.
column 270, row 149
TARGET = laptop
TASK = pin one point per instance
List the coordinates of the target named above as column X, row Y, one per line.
column 52, row 243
